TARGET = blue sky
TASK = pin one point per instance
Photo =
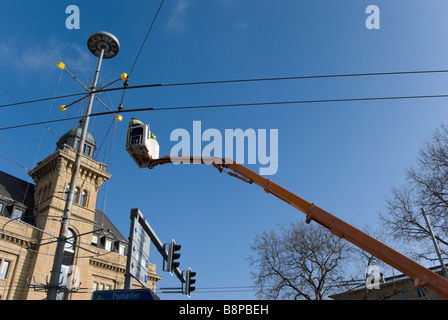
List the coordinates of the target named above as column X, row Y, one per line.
column 344, row 156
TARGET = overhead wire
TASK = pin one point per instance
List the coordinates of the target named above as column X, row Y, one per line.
column 126, row 83
column 300, row 78
column 14, row 162
column 229, row 82
column 146, row 37
column 252, row 104
column 28, row 183
column 26, row 109
column 225, row 289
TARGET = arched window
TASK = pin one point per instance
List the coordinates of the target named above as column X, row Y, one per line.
column 39, row 197
column 76, row 195
column 67, row 190
column 44, row 193
column 48, row 192
column 69, row 246
column 67, row 266
column 83, row 199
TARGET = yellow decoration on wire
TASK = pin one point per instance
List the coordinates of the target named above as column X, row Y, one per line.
column 63, row 108
column 118, row 118
column 124, row 76
column 61, row 65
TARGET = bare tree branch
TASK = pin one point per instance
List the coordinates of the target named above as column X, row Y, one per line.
column 426, row 187
column 299, row 261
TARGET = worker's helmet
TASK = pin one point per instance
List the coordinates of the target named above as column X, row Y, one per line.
column 135, row 122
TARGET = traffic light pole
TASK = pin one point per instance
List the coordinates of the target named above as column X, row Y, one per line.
column 137, row 216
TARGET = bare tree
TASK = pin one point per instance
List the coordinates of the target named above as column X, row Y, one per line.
column 426, row 187
column 299, row 261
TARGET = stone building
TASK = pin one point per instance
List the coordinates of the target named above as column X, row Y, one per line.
column 30, row 215
column 398, row 287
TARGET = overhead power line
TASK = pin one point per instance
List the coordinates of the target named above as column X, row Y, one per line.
column 32, row 114
column 237, row 105
column 42, row 100
column 126, row 83
column 147, row 34
column 229, row 82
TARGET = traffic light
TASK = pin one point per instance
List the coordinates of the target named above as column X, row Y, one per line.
column 189, row 281
column 171, row 262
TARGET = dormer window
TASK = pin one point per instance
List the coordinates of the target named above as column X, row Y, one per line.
column 87, row 150
column 17, row 213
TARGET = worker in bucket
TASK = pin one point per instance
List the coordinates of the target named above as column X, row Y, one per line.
column 134, row 122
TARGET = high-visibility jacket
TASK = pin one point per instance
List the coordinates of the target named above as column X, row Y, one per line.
column 135, row 122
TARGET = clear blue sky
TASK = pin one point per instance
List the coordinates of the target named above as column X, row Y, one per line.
column 344, row 156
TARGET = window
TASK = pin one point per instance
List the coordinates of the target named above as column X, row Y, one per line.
column 17, row 213
column 98, row 286
column 94, row 240
column 67, row 266
column 122, row 249
column 39, row 200
column 67, row 190
column 4, row 268
column 87, row 149
column 108, row 245
column 48, row 191
column 402, row 295
column 75, row 194
column 82, row 201
column 70, row 242
column 1, row 208
column 421, row 293
column 135, row 135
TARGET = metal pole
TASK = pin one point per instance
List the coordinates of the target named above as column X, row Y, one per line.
column 127, row 275
column 59, row 254
column 156, row 241
column 439, row 254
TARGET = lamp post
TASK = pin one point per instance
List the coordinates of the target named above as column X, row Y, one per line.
column 104, row 46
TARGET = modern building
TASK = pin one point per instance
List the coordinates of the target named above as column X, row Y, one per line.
column 399, row 287
column 30, row 220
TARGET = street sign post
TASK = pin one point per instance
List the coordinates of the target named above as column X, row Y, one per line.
column 138, row 254
column 140, row 236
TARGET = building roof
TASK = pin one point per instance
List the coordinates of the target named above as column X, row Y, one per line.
column 103, row 221
column 16, row 190
column 72, row 138
column 395, row 279
column 76, row 132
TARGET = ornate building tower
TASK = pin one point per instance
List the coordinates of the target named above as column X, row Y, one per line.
column 94, row 255
column 52, row 177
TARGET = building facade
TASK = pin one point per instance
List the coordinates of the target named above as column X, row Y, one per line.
column 399, row 287
column 30, row 220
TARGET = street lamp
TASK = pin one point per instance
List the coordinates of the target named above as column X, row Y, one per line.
column 104, row 46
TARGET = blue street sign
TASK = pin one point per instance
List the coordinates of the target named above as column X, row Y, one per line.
column 138, row 294
column 139, row 254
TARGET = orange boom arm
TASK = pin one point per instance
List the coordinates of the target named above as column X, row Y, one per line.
column 421, row 275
